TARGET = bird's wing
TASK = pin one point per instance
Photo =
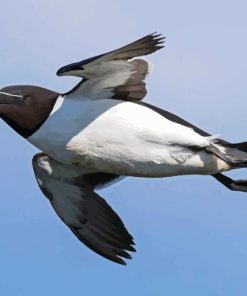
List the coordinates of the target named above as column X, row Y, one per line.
column 88, row 215
column 115, row 74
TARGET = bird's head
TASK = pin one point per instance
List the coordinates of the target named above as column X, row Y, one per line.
column 26, row 107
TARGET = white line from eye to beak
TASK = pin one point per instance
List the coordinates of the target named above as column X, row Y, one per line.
column 7, row 94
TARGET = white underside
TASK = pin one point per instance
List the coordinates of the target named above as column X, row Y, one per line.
column 123, row 138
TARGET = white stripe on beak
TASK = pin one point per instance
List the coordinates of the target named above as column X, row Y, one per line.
column 7, row 94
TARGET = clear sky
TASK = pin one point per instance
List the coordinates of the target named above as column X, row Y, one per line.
column 190, row 232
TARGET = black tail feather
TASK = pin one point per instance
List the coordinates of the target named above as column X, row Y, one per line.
column 240, row 146
column 235, row 154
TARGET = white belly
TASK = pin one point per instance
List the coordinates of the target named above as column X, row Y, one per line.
column 123, row 138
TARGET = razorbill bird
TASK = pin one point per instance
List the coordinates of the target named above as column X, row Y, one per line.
column 101, row 130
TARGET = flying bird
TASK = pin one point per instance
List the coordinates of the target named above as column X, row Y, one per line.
column 102, row 130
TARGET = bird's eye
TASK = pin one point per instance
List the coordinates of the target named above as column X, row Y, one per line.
column 26, row 97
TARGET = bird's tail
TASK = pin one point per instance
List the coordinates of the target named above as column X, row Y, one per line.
column 234, row 154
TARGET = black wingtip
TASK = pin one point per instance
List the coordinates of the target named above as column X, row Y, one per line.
column 119, row 258
column 131, row 249
column 155, row 41
column 121, row 262
column 158, row 38
column 151, row 42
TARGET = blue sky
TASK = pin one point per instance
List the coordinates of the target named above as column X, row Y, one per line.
column 190, row 232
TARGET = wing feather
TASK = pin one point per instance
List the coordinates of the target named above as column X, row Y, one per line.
column 87, row 214
column 114, row 74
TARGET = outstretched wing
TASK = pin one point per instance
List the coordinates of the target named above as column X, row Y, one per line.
column 89, row 217
column 114, row 74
